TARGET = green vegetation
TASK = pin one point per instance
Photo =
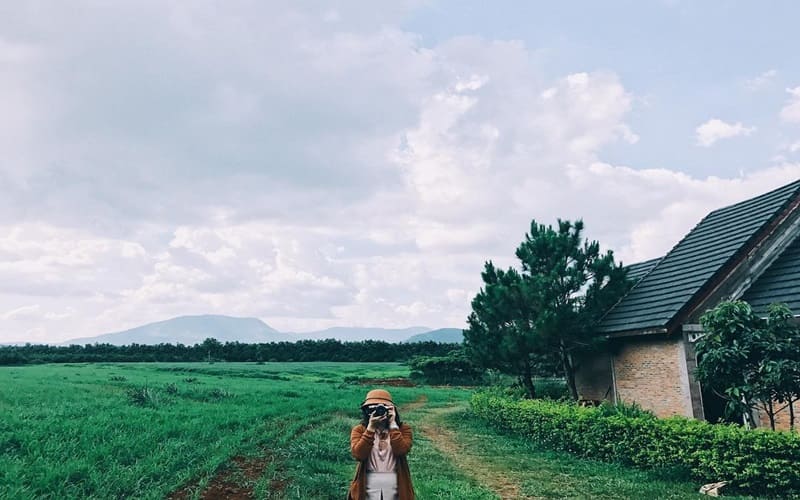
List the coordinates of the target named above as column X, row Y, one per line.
column 275, row 430
column 84, row 431
column 455, row 368
column 213, row 350
column 750, row 361
column 544, row 473
column 525, row 323
column 753, row 460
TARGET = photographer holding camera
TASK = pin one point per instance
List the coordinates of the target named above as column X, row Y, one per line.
column 380, row 444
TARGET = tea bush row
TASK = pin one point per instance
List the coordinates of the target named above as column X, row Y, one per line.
column 752, row 460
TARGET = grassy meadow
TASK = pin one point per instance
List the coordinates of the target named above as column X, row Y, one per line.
column 272, row 430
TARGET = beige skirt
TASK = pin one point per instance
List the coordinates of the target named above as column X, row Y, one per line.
column 381, row 486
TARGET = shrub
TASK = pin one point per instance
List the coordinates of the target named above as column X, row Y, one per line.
column 752, row 460
column 546, row 388
column 144, row 396
column 218, row 394
column 171, row 388
column 624, row 409
column 453, row 369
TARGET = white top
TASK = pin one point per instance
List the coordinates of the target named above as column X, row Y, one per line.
column 381, row 459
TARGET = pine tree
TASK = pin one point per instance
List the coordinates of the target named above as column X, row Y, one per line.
column 549, row 310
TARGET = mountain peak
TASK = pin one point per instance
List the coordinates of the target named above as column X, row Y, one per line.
column 191, row 330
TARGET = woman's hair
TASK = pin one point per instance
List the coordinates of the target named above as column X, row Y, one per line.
column 365, row 416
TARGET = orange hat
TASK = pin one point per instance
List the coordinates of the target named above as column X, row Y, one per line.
column 376, row 396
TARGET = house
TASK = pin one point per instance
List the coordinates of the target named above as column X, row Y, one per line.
column 747, row 251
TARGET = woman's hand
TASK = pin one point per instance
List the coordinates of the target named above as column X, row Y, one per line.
column 392, row 418
column 374, row 420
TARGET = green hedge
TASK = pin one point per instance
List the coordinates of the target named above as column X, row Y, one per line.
column 453, row 369
column 756, row 461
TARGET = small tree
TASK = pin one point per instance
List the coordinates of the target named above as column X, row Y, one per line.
column 780, row 374
column 749, row 361
column 212, row 347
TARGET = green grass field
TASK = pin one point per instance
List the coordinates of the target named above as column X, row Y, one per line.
column 275, row 430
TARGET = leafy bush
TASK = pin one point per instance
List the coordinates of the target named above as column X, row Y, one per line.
column 752, row 460
column 624, row 410
column 453, row 369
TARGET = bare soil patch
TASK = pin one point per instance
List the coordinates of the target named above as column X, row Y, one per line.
column 235, row 480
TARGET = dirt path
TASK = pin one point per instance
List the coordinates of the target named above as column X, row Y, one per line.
column 466, row 459
column 421, row 401
column 234, row 480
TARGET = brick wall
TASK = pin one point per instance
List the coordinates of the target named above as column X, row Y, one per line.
column 781, row 418
column 652, row 372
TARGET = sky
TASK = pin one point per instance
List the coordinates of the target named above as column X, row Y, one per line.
column 319, row 164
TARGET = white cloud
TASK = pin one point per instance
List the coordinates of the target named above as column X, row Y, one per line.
column 791, row 111
column 24, row 312
column 715, row 129
column 44, row 260
column 658, row 207
column 761, row 81
column 60, row 316
column 312, row 167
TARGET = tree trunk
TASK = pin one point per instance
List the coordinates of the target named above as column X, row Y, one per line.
column 569, row 373
column 527, row 380
column 771, row 414
column 791, row 414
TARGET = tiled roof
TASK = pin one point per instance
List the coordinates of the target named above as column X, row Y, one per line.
column 779, row 283
column 640, row 269
column 694, row 261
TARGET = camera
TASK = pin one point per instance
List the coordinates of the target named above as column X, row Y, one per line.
column 379, row 410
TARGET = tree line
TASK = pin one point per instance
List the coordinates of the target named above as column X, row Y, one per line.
column 213, row 350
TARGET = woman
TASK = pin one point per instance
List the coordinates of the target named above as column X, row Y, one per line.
column 380, row 444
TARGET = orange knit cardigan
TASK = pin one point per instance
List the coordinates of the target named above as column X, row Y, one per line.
column 361, row 441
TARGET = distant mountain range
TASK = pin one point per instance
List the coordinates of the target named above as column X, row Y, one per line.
column 189, row 330
column 356, row 333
